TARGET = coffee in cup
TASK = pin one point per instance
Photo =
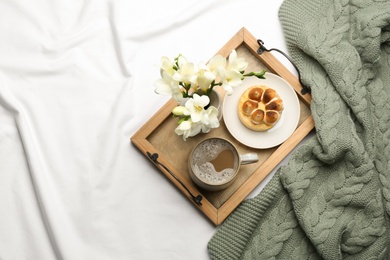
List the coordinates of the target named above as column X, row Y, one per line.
column 215, row 162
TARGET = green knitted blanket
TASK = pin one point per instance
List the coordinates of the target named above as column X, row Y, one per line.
column 332, row 199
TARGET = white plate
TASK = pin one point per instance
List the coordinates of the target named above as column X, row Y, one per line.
column 277, row 134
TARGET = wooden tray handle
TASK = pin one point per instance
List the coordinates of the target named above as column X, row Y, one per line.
column 262, row 48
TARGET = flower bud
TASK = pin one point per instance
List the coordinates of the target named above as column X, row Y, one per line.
column 178, row 111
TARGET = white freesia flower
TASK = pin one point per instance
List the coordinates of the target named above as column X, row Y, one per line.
column 168, row 86
column 195, row 107
column 187, row 72
column 217, row 65
column 237, row 64
column 205, row 77
column 231, row 79
column 188, row 129
column 210, row 119
column 181, row 60
column 167, row 65
column 184, row 129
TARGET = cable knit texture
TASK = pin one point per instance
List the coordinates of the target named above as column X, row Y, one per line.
column 332, row 199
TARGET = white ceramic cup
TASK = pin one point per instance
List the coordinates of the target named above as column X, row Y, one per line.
column 214, row 163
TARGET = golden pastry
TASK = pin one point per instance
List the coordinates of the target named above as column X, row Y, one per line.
column 260, row 108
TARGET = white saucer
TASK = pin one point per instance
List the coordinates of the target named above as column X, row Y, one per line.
column 277, row 134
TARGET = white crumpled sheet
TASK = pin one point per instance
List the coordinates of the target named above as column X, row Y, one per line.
column 76, row 82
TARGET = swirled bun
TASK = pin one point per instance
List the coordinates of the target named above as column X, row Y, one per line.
column 260, row 108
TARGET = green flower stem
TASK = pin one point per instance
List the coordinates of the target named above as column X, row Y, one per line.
column 185, row 95
column 187, row 89
column 212, row 85
column 185, row 118
column 259, row 75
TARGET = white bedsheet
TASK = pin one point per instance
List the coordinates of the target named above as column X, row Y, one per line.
column 76, row 82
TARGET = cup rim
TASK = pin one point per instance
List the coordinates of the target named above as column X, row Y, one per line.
column 235, row 172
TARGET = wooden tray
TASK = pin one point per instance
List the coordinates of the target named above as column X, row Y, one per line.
column 157, row 136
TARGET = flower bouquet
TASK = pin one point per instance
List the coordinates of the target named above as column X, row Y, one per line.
column 191, row 85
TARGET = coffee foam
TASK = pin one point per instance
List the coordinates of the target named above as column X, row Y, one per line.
column 207, row 152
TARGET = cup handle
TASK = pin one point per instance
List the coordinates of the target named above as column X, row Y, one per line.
column 249, row 158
